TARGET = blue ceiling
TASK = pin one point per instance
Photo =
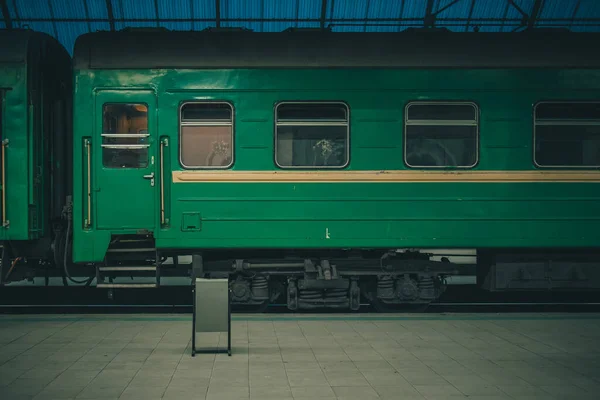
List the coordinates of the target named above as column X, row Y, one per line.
column 67, row 19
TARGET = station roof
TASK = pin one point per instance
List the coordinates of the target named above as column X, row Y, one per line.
column 68, row 19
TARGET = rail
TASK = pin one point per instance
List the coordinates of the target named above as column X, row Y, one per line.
column 5, row 221
column 125, row 146
column 163, row 144
column 88, row 220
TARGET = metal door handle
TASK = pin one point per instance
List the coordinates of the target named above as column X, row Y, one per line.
column 151, row 176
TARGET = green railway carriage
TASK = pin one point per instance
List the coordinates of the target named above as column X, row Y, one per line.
column 327, row 167
column 35, row 128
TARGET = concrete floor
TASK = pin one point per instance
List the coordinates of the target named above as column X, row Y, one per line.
column 458, row 356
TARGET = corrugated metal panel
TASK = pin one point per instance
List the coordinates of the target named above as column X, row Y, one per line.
column 414, row 11
column 587, row 9
column 174, row 9
column 96, row 8
column 288, row 10
column 25, row 9
column 386, row 9
column 238, row 9
column 278, row 15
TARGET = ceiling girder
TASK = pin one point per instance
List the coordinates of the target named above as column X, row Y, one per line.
column 323, row 13
column 156, row 12
column 429, row 20
column 575, row 11
column 6, row 14
column 430, row 16
column 535, row 12
column 528, row 21
column 111, row 16
column 470, row 15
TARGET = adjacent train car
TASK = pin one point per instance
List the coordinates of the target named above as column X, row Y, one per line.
column 35, row 161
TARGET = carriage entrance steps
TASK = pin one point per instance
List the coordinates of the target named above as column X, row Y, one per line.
column 129, row 267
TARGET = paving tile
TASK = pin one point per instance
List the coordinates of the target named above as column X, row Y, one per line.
column 306, row 378
column 565, row 390
column 477, row 389
column 346, row 378
column 25, row 387
column 143, row 392
column 355, row 392
column 338, row 366
column 228, row 392
column 310, row 392
column 270, row 392
column 301, row 366
column 175, row 393
column 437, row 390
column 397, row 391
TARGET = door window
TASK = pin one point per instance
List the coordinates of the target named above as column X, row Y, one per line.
column 125, row 135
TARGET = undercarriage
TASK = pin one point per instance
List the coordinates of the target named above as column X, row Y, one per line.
column 307, row 279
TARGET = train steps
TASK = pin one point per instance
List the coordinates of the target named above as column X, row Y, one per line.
column 129, row 267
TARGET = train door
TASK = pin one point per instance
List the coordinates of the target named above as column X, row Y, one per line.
column 125, row 170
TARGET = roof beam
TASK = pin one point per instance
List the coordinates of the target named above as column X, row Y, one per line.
column 429, row 19
column 111, row 16
column 87, row 15
column 323, row 13
column 218, row 13
column 156, row 12
column 470, row 15
column 430, row 16
column 400, row 15
column 446, row 6
column 367, row 15
column 519, row 9
column 192, row 14
column 6, row 14
column 575, row 10
column 537, row 7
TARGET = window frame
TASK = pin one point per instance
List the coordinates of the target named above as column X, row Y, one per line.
column 534, row 125
column 441, row 123
column 180, row 124
column 130, row 135
column 318, row 102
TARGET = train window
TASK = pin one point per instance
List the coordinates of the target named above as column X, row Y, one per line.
column 441, row 135
column 206, row 135
column 567, row 134
column 311, row 135
column 125, row 135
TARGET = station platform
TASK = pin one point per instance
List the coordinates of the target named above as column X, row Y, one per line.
column 289, row 356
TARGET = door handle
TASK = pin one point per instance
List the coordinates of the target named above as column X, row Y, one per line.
column 151, row 177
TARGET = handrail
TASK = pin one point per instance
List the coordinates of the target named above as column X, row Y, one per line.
column 5, row 222
column 163, row 143
column 125, row 146
column 88, row 146
column 125, row 135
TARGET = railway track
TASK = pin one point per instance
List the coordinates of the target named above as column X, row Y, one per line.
column 460, row 298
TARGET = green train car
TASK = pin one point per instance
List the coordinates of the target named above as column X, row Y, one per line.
column 35, row 159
